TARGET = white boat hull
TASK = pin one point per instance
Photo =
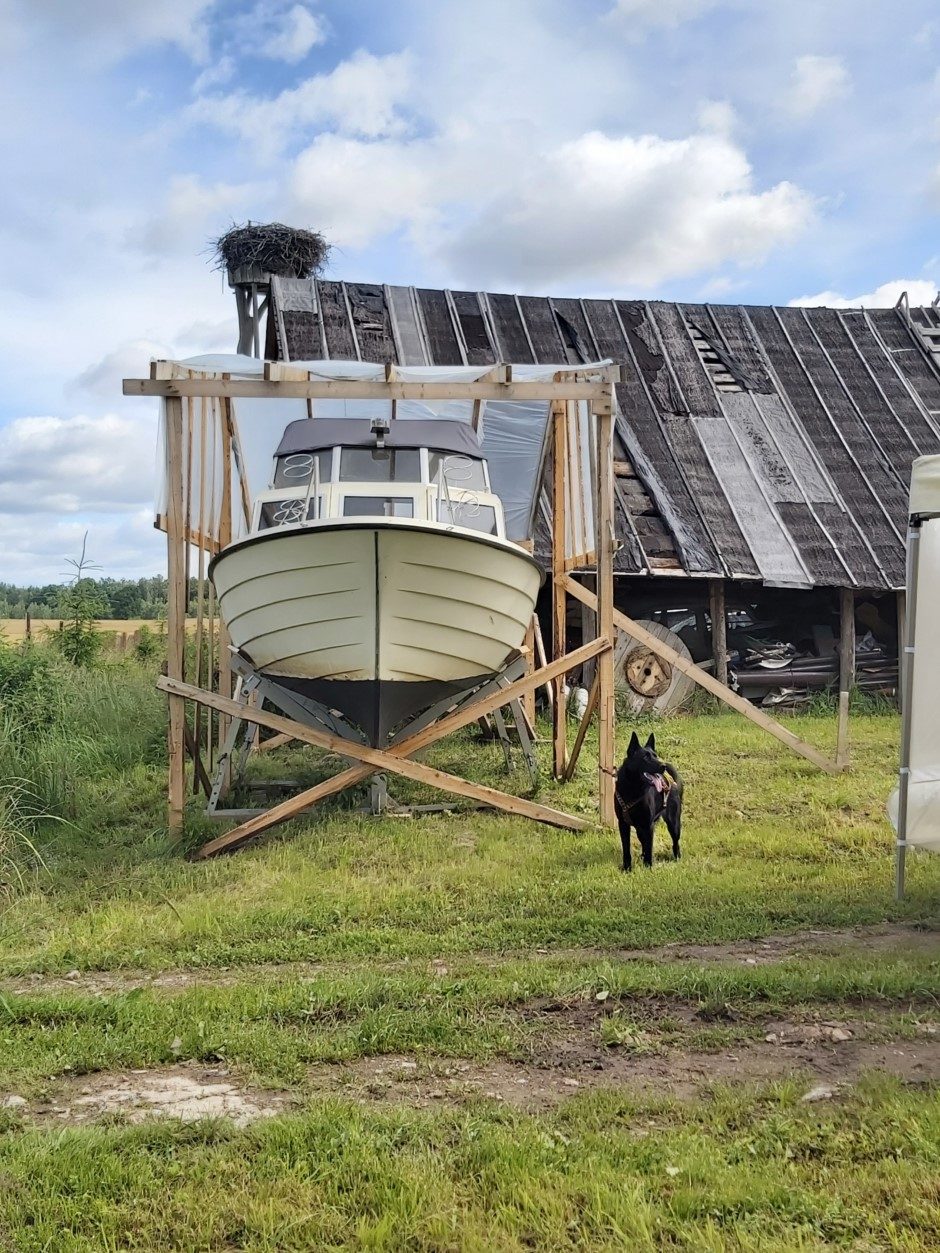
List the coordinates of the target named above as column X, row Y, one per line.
column 379, row 620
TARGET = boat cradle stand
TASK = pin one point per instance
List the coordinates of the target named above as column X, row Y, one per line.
column 252, row 691
column 366, row 761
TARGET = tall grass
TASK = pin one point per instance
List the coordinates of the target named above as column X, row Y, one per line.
column 65, row 733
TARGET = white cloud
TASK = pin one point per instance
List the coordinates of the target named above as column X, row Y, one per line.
column 639, row 13
column 128, row 360
column 628, row 211
column 205, row 336
column 919, row 292
column 816, row 81
column 599, row 209
column 357, row 191
column 52, row 465
column 191, row 207
column 298, row 31
column 717, row 116
column 110, row 29
column 362, row 96
column 124, row 547
column 214, row 75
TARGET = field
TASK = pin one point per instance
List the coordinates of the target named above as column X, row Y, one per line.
column 14, row 629
column 464, row 1031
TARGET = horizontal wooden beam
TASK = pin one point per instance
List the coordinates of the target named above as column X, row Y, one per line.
column 376, row 758
column 326, row 389
column 707, row 681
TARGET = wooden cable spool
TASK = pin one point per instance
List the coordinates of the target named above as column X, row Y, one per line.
column 646, row 682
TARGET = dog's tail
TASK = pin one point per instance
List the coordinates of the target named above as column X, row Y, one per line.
column 675, row 776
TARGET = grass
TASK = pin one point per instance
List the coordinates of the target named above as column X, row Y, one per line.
column 342, row 936
column 743, row 1171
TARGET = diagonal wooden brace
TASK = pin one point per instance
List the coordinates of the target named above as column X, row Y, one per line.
column 395, row 759
column 707, row 681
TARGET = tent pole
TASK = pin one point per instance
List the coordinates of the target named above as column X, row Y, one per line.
column 907, row 692
column 559, row 597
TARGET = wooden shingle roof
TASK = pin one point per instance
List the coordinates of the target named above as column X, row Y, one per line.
column 755, row 443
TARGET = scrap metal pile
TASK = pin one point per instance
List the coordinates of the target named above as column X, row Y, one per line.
column 773, row 671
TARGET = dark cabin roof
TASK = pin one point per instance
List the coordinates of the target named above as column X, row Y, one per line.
column 310, row 434
column 752, row 442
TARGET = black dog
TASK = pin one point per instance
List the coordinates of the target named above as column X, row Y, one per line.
column 643, row 794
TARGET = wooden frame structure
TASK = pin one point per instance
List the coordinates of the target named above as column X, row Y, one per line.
column 206, row 489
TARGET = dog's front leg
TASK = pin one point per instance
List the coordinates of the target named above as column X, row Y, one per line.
column 625, row 842
column 645, row 836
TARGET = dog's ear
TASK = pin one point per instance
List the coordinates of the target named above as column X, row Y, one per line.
column 634, row 744
column 651, row 743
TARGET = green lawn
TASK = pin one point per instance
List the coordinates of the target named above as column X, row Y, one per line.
column 462, row 936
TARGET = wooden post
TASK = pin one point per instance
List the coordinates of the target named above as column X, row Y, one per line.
column 225, row 538
column 586, row 717
column 846, row 671
column 542, row 659
column 196, row 738
column 719, row 617
column 606, row 545
column 528, row 700
column 176, row 545
column 559, row 599
column 588, row 632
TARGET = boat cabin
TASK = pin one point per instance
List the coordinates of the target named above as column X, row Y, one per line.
column 427, row 470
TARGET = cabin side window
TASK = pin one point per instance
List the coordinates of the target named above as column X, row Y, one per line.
column 468, row 513
column 295, row 470
column 380, row 465
column 288, row 512
column 457, row 469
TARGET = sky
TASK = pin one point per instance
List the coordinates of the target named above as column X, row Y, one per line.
column 705, row 150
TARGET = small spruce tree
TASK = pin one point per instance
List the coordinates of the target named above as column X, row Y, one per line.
column 79, row 639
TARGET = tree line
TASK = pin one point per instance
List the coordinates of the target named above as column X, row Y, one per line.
column 115, row 598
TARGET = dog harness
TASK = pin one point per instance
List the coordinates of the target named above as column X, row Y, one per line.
column 658, row 781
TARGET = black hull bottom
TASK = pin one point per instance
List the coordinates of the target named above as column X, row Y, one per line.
column 378, row 707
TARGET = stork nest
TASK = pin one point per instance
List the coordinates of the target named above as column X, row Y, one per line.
column 274, row 247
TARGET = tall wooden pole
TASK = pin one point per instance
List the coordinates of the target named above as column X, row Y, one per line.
column 225, row 538
column 718, row 614
column 846, row 671
column 606, row 544
column 559, row 598
column 176, row 545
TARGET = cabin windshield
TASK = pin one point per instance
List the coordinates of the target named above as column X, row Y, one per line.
column 378, row 507
column 356, row 481
column 380, row 465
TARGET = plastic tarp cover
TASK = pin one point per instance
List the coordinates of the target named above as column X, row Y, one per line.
column 513, row 431
column 923, row 804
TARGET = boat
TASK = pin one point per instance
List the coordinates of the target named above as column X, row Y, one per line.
column 376, row 582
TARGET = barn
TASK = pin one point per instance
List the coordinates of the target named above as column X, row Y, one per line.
column 762, row 454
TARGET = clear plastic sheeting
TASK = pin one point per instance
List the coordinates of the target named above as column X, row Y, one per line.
column 513, row 439
column 922, row 685
column 513, row 432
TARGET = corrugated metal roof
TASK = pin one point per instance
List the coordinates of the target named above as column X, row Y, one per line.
column 753, row 442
